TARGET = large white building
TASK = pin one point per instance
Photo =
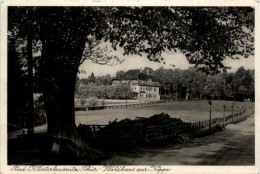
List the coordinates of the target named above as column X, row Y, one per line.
column 144, row 86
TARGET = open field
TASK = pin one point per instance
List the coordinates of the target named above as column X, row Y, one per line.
column 188, row 111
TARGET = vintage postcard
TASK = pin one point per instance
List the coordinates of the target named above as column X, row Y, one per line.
column 129, row 87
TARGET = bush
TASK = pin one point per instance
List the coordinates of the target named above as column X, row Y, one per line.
column 82, row 101
column 93, row 101
column 166, row 97
column 102, row 102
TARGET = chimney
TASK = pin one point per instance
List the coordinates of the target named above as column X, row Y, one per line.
column 147, row 72
column 140, row 69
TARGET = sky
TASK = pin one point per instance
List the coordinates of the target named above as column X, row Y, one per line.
column 137, row 62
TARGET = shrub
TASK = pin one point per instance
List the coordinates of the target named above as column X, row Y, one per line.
column 166, row 97
column 93, row 101
column 82, row 101
column 102, row 102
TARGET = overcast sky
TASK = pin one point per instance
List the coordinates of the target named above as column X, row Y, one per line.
column 137, row 62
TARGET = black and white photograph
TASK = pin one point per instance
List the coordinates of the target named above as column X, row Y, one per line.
column 130, row 85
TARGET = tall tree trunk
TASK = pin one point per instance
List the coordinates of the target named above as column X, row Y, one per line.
column 187, row 91
column 58, row 73
column 180, row 94
column 30, row 74
column 59, row 104
column 234, row 93
column 173, row 94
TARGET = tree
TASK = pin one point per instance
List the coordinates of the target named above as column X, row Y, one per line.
column 125, row 91
column 238, row 79
column 248, row 82
column 120, row 91
column 189, row 81
column 119, row 73
column 163, row 76
column 17, row 83
column 104, row 80
column 66, row 36
column 148, row 70
column 212, row 91
column 90, row 90
column 200, row 81
column 77, row 85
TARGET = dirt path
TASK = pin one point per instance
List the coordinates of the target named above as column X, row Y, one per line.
column 233, row 146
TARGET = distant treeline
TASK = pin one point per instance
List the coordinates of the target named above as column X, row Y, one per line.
column 180, row 84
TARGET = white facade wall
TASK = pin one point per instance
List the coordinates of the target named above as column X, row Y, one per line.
column 146, row 92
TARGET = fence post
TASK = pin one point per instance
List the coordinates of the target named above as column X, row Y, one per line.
column 232, row 113
column 242, row 113
column 224, row 118
column 210, row 103
column 237, row 114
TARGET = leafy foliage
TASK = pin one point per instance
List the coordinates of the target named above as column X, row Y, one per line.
column 120, row 91
column 176, row 84
column 207, row 35
column 119, row 73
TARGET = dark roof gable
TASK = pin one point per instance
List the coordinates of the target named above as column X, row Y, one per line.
column 135, row 74
column 130, row 74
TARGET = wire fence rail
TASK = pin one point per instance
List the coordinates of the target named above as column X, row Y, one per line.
column 237, row 116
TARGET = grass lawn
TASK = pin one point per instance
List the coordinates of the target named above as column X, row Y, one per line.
column 188, row 111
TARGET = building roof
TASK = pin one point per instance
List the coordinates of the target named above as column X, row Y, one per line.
column 135, row 74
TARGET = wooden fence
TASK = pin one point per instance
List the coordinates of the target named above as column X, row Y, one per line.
column 234, row 118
